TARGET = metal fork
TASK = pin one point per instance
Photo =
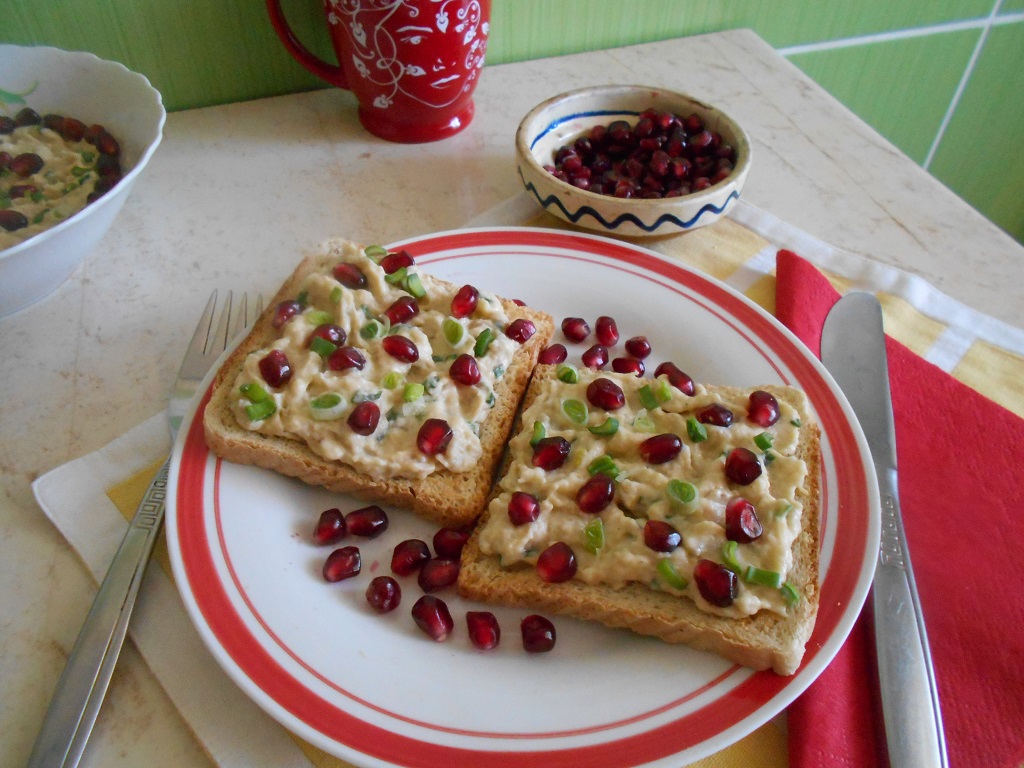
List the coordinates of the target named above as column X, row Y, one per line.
column 83, row 684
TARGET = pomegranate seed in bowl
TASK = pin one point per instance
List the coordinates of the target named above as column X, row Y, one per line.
column 330, row 528
column 538, row 634
column 409, row 556
column 383, row 594
column 431, row 614
column 483, row 628
column 342, row 563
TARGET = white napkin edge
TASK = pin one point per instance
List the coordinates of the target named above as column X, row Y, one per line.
column 233, row 730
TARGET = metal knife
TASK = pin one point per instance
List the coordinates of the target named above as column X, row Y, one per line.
column 853, row 350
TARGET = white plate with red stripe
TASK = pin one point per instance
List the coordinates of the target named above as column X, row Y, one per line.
column 375, row 691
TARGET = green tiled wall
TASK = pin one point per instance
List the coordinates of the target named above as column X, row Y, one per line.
column 900, row 66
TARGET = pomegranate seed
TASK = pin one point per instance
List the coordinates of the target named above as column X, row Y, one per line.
column 523, row 508
column 606, row 394
column 400, row 348
column 629, row 365
column 661, row 448
column 557, row 563
column 550, row 453
column 741, row 523
column 538, row 634
column 402, row 310
column 464, row 370
column 349, row 276
column 607, row 331
column 368, row 522
column 12, row 220
column 575, row 329
column 107, row 144
column 344, row 358
column 437, row 574
column 596, row 494
column 330, row 528
column 661, row 536
column 409, row 556
column 716, row 583
column 22, row 190
column 638, row 346
column 431, row 614
column 275, row 368
column 396, row 261
column 449, row 543
column 483, row 628
column 383, row 594
column 284, row 312
column 364, row 418
column 520, row 330
column 553, row 355
column 715, row 414
column 335, row 334
column 464, row 302
column 25, row 164
column 433, row 437
column 596, row 357
column 742, row 466
column 681, row 381
column 762, row 408
column 342, row 563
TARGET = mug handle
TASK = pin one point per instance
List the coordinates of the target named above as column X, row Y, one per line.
column 332, row 73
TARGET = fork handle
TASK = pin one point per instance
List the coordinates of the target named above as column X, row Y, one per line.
column 83, row 684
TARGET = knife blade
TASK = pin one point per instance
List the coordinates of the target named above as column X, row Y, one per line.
column 853, row 350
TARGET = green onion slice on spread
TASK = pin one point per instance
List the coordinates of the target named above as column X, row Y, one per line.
column 261, row 410
column 604, row 465
column 452, row 330
column 663, row 391
column 374, row 329
column 254, row 392
column 567, row 373
column 764, row 441
column 647, row 398
column 682, row 492
column 375, row 252
column 392, row 379
column 322, row 346
column 539, row 433
column 412, row 392
column 607, row 427
column 397, row 277
column 698, row 432
column 762, row 576
column 729, row 549
column 327, row 407
column 576, row 410
column 414, row 285
column 336, row 295
column 790, row 594
column 483, row 341
column 667, row 571
column 644, row 423
column 593, row 535
column 318, row 317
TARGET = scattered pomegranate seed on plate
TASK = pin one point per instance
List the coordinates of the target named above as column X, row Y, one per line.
column 431, row 614
column 538, row 634
column 484, row 631
column 437, row 574
column 383, row 594
column 576, row 329
column 342, row 563
column 607, row 331
column 409, row 556
column 449, row 542
column 330, row 528
column 368, row 522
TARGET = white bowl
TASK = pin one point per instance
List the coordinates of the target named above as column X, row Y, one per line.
column 560, row 120
column 82, row 86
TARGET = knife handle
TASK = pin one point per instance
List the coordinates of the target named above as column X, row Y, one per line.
column 910, row 703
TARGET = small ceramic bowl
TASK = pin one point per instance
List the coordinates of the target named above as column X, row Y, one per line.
column 79, row 85
column 562, row 119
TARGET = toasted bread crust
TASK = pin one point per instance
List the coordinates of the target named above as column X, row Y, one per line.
column 766, row 640
column 444, row 497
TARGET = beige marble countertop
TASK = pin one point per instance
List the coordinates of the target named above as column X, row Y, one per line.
column 235, row 192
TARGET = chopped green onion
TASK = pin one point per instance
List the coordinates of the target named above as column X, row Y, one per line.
column 391, row 380
column 769, row 457
column 644, row 423
column 663, row 391
column 397, row 277
column 539, row 433
column 491, row 399
column 790, row 594
column 576, row 410
column 452, row 330
column 360, row 397
column 795, row 422
column 681, row 491
column 593, row 534
column 647, row 398
column 327, row 407
column 38, row 217
column 303, row 298
column 729, row 549
column 88, row 157
column 264, row 409
column 374, row 329
column 322, row 346
column 375, row 252
column 762, row 576
column 567, row 373
column 78, row 170
column 414, row 285
column 483, row 341
column 336, row 295
column 604, row 465
column 764, row 441
column 36, row 196
column 318, row 317
column 670, row 575
column 412, row 392
column 607, row 427
column 783, row 509
column 254, row 392
column 698, row 432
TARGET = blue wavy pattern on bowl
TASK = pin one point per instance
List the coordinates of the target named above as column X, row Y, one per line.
column 624, row 218
column 592, row 113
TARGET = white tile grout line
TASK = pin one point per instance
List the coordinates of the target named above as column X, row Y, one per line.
column 984, row 24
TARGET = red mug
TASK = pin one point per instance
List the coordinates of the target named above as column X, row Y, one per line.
column 412, row 64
